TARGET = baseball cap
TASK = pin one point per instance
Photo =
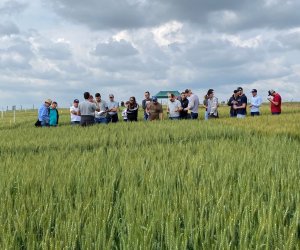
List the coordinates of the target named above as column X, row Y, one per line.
column 48, row 101
column 111, row 95
column 154, row 98
column 76, row 100
column 271, row 91
column 239, row 89
column 254, row 90
column 235, row 91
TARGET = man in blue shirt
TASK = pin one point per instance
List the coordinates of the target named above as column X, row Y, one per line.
column 43, row 113
column 256, row 102
column 241, row 106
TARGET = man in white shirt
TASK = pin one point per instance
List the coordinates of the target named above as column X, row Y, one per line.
column 174, row 107
column 193, row 104
column 75, row 118
column 113, row 109
column 212, row 105
column 256, row 102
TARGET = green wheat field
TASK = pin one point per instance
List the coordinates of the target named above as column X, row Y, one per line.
column 217, row 184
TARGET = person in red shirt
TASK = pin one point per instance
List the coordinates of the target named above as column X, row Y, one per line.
column 275, row 101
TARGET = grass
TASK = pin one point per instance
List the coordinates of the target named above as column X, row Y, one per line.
column 221, row 184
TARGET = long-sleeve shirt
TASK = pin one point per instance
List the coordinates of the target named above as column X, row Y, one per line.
column 194, row 103
column 256, row 102
column 43, row 113
column 212, row 106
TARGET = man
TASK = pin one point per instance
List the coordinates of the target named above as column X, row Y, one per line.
column 233, row 101
column 275, row 101
column 256, row 102
column 113, row 108
column 212, row 105
column 144, row 104
column 87, row 110
column 184, row 104
column 100, row 117
column 241, row 106
column 173, row 107
column 154, row 109
column 43, row 113
column 193, row 103
column 75, row 118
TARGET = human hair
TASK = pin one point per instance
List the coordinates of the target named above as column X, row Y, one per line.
column 86, row 95
column 147, row 92
column 97, row 95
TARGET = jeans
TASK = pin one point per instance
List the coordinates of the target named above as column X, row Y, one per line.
column 194, row 116
column 206, row 115
column 174, row 118
column 45, row 123
column 240, row 116
column 146, row 116
column 255, row 113
column 102, row 120
column 112, row 118
column 87, row 120
column 75, row 123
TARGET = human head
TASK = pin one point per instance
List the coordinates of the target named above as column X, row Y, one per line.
column 188, row 92
column 122, row 104
column 210, row 93
column 171, row 97
column 98, row 97
column 183, row 96
column 75, row 103
column 235, row 92
column 240, row 90
column 271, row 92
column 48, row 102
column 54, row 105
column 127, row 103
column 132, row 100
column 86, row 95
column 111, row 97
column 254, row 92
column 154, row 99
column 91, row 98
column 147, row 95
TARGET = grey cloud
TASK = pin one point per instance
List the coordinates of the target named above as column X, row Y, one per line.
column 8, row 28
column 115, row 49
column 56, row 51
column 12, row 7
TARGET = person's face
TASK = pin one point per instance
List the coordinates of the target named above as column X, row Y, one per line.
column 211, row 95
column 75, row 104
column 254, row 94
column 47, row 104
column 91, row 98
column 111, row 98
column 131, row 100
column 98, row 99
column 273, row 94
column 170, row 98
column 183, row 96
column 147, row 95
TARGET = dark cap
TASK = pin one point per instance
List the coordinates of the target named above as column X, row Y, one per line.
column 187, row 91
column 154, row 98
column 76, row 100
column 254, row 90
column 235, row 91
column 239, row 89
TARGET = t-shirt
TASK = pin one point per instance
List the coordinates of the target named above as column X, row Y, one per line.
column 184, row 104
column 111, row 105
column 75, row 118
column 274, row 108
column 240, row 100
column 87, row 108
column 173, row 106
column 53, row 114
column 103, row 107
column 256, row 102
column 154, row 111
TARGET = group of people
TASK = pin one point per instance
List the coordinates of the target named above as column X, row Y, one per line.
column 186, row 106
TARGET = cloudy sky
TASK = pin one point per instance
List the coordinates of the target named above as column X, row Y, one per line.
column 60, row 48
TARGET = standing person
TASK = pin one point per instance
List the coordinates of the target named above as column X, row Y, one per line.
column 87, row 110
column 75, row 118
column 100, row 117
column 233, row 101
column 144, row 104
column 53, row 115
column 173, row 107
column 241, row 106
column 205, row 106
column 154, row 109
column 193, row 104
column 113, row 108
column 212, row 105
column 256, row 102
column 132, row 110
column 275, row 101
column 184, row 104
column 43, row 113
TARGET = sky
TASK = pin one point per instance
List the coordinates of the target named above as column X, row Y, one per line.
column 59, row 49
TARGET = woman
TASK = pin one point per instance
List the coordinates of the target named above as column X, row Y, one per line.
column 132, row 110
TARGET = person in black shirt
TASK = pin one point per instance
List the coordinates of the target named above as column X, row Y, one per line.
column 233, row 101
column 184, row 103
column 144, row 104
column 241, row 106
column 132, row 110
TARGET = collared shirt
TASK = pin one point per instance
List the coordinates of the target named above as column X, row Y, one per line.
column 103, row 107
column 256, row 102
column 212, row 106
column 274, row 108
column 173, row 106
column 87, row 108
column 44, row 113
column 112, row 105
